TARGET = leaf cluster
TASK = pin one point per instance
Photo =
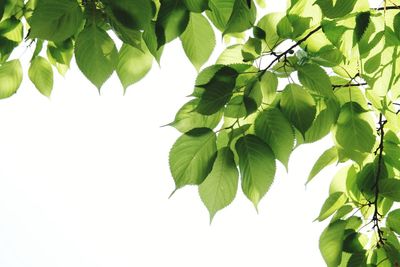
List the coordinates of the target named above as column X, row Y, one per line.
column 322, row 68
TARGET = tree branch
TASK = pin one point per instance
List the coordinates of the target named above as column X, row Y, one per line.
column 348, row 85
column 376, row 218
column 290, row 49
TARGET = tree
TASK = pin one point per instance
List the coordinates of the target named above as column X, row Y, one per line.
column 321, row 68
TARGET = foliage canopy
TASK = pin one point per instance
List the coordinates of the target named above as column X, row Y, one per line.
column 321, row 68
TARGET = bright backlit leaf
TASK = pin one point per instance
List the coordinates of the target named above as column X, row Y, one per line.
column 133, row 64
column 198, row 40
column 10, row 78
column 315, row 79
column 192, row 156
column 331, row 205
column 331, row 243
column 327, row 158
column 41, row 74
column 220, row 186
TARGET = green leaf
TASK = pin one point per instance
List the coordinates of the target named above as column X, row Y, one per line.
column 341, row 212
column 96, row 54
column 273, row 127
column 235, row 108
column 242, row 18
column 252, row 97
column 134, row 14
column 390, row 188
column 197, row 6
column 396, row 25
column 41, row 74
column 188, row 118
column 220, row 12
column 172, row 20
column 2, row 7
column 331, row 205
column 150, row 38
column 251, row 49
column 12, row 29
column 366, row 180
column 362, row 21
column 218, row 91
column 357, row 260
column 259, row 33
column 323, row 122
column 269, row 85
column 219, row 188
column 198, row 40
column 331, row 243
column 192, row 156
column 231, row 55
column 285, row 28
column 55, row 20
column 257, row 167
column 60, row 55
column 315, row 79
column 354, row 242
column 298, row 106
column 352, row 131
column 127, row 35
column 327, row 158
column 10, row 78
column 133, row 64
column 268, row 24
column 335, row 9
column 393, row 221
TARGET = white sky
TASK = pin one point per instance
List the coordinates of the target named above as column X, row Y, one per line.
column 84, row 182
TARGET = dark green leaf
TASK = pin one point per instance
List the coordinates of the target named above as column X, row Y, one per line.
column 362, row 21
column 197, row 6
column 390, row 188
column 298, row 106
column 257, row 167
column 393, row 221
column 218, row 91
column 172, row 20
column 133, row 15
column 96, row 54
column 55, row 20
column 272, row 127
column 242, row 17
column 220, row 12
